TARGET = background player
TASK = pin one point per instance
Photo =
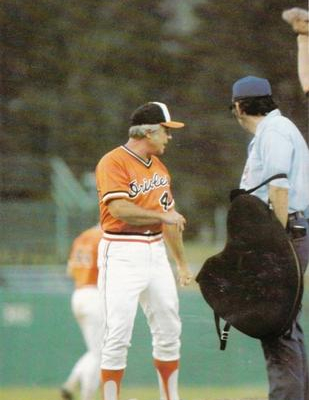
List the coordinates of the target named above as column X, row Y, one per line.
column 137, row 211
column 86, row 307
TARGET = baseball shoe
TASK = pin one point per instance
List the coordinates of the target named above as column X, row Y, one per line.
column 298, row 18
column 66, row 395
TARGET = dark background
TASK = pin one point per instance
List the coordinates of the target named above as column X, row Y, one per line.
column 73, row 71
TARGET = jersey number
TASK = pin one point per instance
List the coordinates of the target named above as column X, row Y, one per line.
column 164, row 201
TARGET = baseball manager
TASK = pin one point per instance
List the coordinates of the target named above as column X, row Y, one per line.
column 137, row 212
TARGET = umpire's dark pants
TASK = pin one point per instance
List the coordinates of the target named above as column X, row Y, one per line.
column 285, row 356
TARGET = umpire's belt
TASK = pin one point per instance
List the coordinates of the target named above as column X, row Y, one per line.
column 147, row 237
column 295, row 215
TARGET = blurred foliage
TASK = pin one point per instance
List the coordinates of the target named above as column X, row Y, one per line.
column 72, row 72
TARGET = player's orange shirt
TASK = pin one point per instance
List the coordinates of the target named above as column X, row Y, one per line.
column 82, row 263
column 122, row 174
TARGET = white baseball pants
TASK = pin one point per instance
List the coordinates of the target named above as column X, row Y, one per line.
column 132, row 273
column 87, row 309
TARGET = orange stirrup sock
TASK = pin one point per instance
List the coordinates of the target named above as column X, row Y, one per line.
column 168, row 373
column 111, row 383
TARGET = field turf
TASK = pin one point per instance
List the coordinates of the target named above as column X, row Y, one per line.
column 142, row 393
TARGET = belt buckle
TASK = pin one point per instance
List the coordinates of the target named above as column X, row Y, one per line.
column 295, row 215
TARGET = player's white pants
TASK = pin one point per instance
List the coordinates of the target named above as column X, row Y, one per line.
column 132, row 273
column 87, row 310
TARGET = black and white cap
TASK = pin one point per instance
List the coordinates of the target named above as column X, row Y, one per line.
column 154, row 113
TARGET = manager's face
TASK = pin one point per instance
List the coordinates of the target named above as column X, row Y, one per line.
column 158, row 139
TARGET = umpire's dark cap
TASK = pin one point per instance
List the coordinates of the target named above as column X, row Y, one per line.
column 250, row 86
column 154, row 113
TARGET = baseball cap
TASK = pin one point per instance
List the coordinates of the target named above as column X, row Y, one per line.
column 250, row 86
column 154, row 113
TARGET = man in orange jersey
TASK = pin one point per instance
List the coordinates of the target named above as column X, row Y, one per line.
column 137, row 216
column 86, row 307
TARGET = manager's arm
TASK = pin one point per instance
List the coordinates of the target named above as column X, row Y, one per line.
column 174, row 241
column 135, row 215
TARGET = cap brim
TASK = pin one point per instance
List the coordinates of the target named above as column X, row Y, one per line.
column 173, row 124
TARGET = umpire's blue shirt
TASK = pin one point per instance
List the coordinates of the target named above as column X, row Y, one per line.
column 278, row 147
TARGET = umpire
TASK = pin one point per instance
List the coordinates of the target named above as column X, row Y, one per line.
column 278, row 147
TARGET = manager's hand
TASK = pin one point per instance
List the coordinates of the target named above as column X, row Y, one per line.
column 174, row 218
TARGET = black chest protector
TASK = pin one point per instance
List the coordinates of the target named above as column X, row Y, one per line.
column 255, row 284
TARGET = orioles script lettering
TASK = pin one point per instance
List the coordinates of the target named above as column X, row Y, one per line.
column 147, row 185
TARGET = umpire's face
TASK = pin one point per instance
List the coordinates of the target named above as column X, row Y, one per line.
column 157, row 140
column 240, row 115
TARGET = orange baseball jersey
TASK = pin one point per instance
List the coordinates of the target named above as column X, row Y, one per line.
column 122, row 174
column 82, row 263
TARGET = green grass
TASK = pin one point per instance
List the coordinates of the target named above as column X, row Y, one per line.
column 142, row 393
column 198, row 251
